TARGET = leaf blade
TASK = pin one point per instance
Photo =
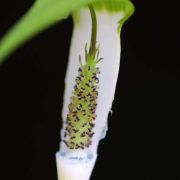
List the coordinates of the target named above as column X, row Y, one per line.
column 40, row 16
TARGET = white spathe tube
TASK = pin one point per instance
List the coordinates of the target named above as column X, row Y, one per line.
column 78, row 164
column 72, row 168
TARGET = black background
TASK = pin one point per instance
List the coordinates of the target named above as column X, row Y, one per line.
column 143, row 141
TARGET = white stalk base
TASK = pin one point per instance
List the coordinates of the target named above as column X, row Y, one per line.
column 71, row 168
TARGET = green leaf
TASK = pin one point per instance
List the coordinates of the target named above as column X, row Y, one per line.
column 40, row 16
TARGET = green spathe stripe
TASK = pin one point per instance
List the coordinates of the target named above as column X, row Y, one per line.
column 124, row 7
column 113, row 5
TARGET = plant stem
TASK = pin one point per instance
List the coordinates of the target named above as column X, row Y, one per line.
column 92, row 49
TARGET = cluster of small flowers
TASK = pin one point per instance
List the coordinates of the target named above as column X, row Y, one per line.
column 82, row 108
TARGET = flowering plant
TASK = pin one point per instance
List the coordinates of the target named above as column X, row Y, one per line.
column 91, row 74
